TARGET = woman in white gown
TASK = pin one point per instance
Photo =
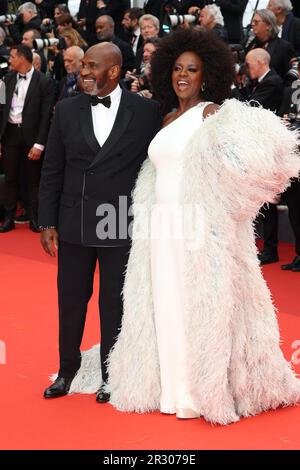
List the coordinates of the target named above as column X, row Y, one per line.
column 199, row 335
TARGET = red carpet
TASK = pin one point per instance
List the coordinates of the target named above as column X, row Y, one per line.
column 28, row 327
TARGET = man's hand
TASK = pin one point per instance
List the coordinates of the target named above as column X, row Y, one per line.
column 34, row 154
column 101, row 4
column 49, row 241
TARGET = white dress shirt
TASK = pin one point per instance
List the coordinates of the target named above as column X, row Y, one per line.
column 104, row 118
column 263, row 76
column 18, row 100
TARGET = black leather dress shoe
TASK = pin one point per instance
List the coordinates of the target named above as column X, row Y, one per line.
column 34, row 226
column 293, row 266
column 268, row 258
column 102, row 396
column 7, row 226
column 59, row 388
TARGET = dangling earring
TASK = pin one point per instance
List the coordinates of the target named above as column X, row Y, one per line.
column 203, row 87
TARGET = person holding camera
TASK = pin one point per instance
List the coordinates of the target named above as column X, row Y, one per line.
column 25, row 120
column 140, row 80
column 211, row 19
column 27, row 19
column 266, row 31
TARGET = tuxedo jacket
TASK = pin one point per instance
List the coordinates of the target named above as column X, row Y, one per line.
column 37, row 109
column 291, row 31
column 80, row 178
column 269, row 92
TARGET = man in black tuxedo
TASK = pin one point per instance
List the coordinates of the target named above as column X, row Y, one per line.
column 24, row 126
column 95, row 149
column 268, row 91
column 269, row 94
column 105, row 31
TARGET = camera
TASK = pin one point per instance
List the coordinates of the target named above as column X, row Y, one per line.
column 172, row 20
column 39, row 44
column 11, row 18
column 48, row 28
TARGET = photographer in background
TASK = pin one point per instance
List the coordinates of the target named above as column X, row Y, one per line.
column 296, row 7
column 211, row 19
column 27, row 19
column 288, row 24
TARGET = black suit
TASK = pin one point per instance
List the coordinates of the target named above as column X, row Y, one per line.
column 17, row 141
column 78, row 178
column 291, row 31
column 269, row 92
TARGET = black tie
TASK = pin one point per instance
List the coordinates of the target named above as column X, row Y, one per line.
column 96, row 100
column 22, row 76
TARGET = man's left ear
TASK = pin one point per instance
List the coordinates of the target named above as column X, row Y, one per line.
column 115, row 71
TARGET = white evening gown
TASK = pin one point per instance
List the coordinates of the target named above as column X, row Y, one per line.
column 167, row 258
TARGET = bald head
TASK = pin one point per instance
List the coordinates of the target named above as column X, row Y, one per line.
column 101, row 69
column 105, row 52
column 258, row 63
column 105, row 28
column 36, row 61
column 260, row 55
column 72, row 59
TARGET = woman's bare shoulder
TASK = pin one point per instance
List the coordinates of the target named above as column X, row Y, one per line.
column 210, row 109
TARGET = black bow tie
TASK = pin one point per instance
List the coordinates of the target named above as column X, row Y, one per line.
column 21, row 76
column 96, row 100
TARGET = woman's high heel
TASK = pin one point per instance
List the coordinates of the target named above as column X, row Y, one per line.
column 186, row 413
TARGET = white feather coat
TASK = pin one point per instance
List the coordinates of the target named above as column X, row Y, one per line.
column 240, row 158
